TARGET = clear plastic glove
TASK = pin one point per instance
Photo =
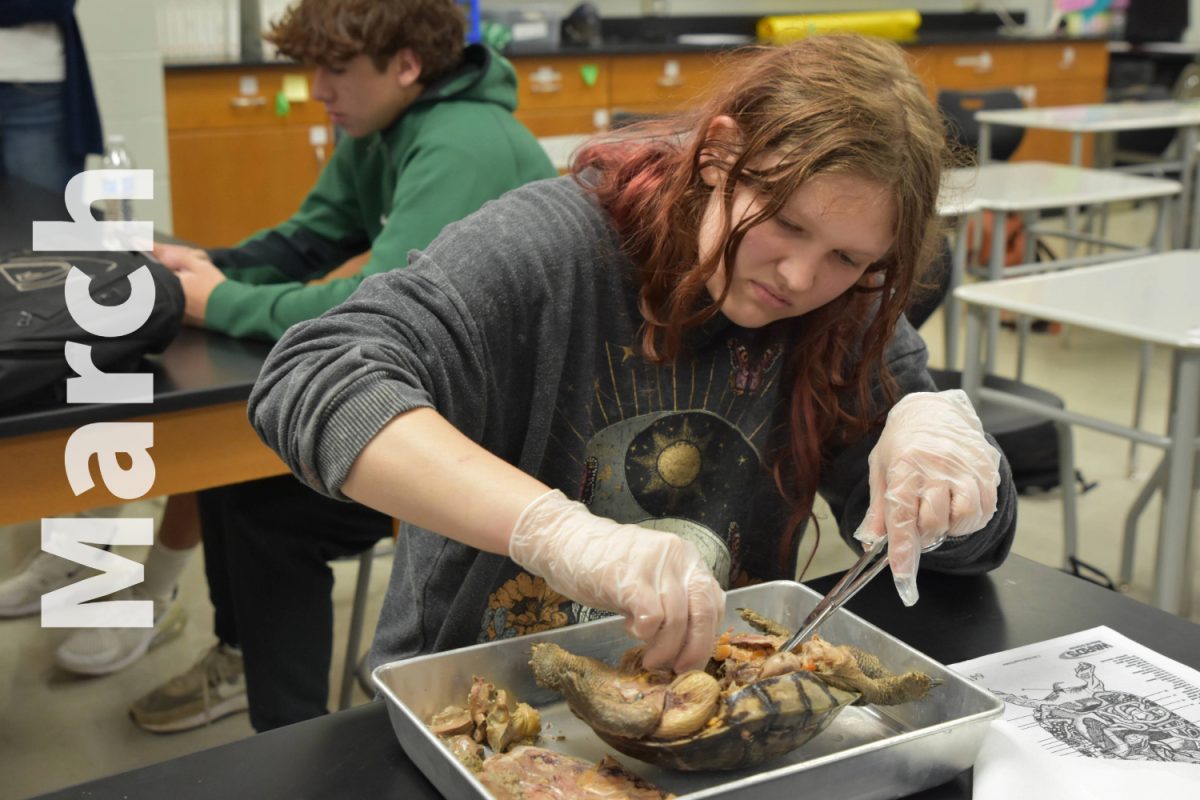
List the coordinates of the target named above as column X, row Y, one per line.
column 933, row 475
column 657, row 580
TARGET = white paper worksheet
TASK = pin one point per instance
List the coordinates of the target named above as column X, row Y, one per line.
column 1096, row 694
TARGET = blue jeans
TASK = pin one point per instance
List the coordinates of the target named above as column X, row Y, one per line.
column 33, row 142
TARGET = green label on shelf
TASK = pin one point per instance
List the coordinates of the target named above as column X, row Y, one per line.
column 589, row 73
column 282, row 104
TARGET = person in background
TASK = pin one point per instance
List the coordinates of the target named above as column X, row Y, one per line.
column 620, row 391
column 49, row 123
column 429, row 138
column 48, row 116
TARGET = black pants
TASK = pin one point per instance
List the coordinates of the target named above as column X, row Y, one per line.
column 266, row 548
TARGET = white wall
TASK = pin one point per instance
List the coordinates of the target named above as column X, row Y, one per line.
column 121, row 38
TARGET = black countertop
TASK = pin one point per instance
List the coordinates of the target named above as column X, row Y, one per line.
column 199, row 368
column 354, row 753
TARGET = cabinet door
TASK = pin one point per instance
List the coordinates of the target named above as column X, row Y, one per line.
column 1068, row 61
column 556, row 82
column 563, row 121
column 229, row 183
column 1055, row 146
column 235, row 98
column 984, row 66
column 649, row 84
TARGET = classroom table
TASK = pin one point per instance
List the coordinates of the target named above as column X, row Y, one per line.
column 355, row 753
column 1108, row 119
column 202, row 437
column 1153, row 300
column 1030, row 188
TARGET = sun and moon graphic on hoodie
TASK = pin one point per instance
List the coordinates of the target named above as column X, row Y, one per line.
column 675, row 449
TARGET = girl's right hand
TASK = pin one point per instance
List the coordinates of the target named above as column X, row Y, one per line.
column 657, row 580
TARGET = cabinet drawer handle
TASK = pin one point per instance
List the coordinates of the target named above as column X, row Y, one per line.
column 671, row 76
column 979, row 63
column 545, row 80
column 247, row 102
column 1068, row 58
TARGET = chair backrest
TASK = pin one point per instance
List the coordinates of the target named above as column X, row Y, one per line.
column 959, row 107
column 925, row 299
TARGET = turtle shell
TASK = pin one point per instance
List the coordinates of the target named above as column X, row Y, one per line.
column 759, row 722
column 747, row 725
column 751, row 704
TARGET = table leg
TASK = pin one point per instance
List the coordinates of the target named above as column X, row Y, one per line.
column 972, row 377
column 1191, row 165
column 995, row 273
column 951, row 314
column 1188, row 138
column 1066, row 484
column 985, row 143
column 1129, row 540
column 1072, row 221
column 1029, row 256
column 1145, row 354
column 1175, row 526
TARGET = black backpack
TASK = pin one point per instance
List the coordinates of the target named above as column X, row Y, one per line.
column 35, row 323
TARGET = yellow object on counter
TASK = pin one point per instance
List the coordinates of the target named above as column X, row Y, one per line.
column 898, row 25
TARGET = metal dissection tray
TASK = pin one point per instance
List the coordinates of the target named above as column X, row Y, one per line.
column 867, row 752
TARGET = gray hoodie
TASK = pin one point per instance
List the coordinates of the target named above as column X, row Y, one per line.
column 519, row 324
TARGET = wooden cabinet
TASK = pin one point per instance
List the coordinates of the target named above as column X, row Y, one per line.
column 1043, row 73
column 559, row 95
column 238, row 166
column 1063, row 74
column 238, row 162
column 554, row 101
column 658, row 83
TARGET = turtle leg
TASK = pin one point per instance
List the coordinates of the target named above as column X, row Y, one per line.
column 867, row 676
column 765, row 624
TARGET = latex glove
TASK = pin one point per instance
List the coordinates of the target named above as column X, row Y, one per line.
column 932, row 475
column 657, row 580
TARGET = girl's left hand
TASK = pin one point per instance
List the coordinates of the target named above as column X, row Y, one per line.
column 933, row 474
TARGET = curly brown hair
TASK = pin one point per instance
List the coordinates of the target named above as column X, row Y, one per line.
column 838, row 103
column 329, row 32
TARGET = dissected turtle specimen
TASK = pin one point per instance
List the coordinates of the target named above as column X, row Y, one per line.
column 526, row 772
column 517, row 770
column 491, row 716
column 749, row 705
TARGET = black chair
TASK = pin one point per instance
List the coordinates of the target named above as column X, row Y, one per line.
column 1150, row 146
column 959, row 107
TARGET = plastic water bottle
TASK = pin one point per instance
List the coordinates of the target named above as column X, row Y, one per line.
column 117, row 157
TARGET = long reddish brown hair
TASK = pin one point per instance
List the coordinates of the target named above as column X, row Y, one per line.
column 839, row 103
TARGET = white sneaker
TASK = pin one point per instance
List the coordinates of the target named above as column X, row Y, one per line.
column 21, row 595
column 100, row 651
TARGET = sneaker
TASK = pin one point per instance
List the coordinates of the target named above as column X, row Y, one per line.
column 215, row 687
column 21, row 595
column 100, row 651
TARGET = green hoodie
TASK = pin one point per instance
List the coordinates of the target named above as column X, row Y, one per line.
column 456, row 147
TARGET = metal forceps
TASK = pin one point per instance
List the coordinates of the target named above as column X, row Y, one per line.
column 869, row 564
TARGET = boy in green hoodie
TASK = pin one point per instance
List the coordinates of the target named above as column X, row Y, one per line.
column 430, row 137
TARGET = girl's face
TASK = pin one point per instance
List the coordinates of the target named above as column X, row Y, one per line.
column 817, row 247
